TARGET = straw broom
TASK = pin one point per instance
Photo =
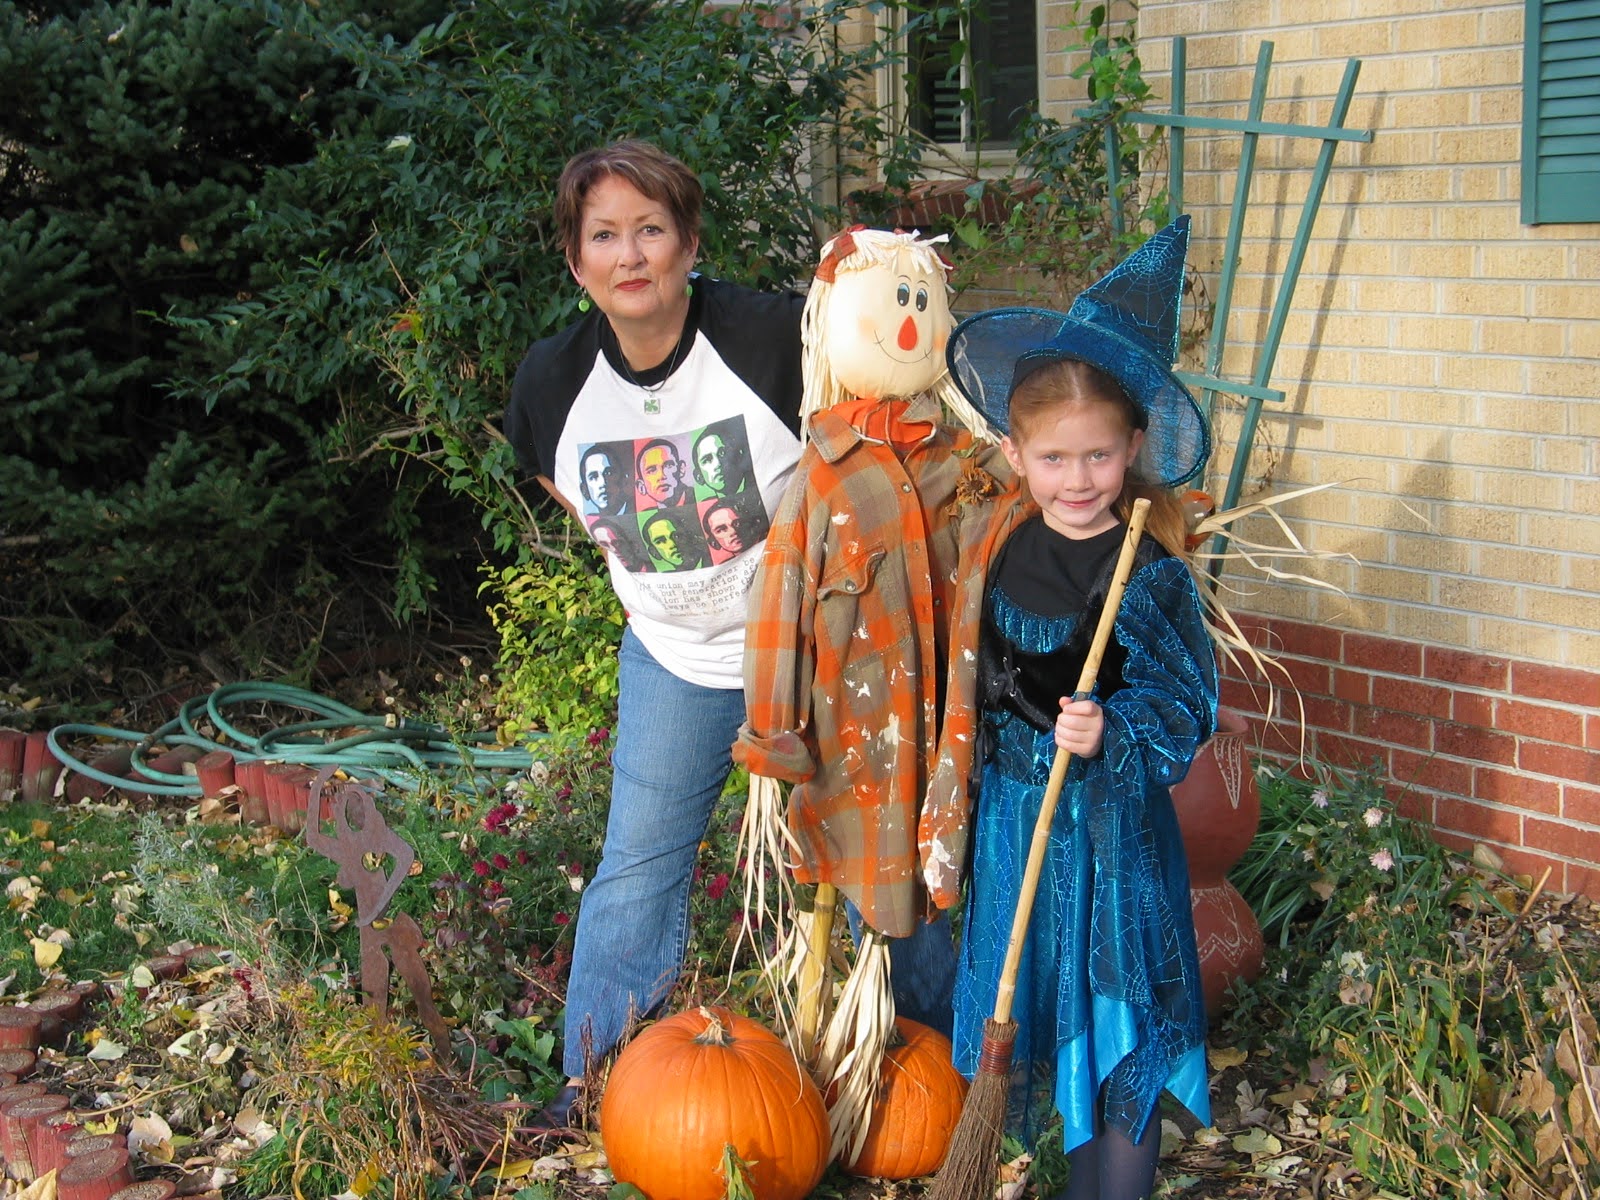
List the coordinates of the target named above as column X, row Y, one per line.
column 973, row 1160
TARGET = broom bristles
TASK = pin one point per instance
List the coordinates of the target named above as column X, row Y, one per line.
column 972, row 1163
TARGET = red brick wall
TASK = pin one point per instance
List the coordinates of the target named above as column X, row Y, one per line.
column 1486, row 749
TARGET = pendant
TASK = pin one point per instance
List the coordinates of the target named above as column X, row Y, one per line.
column 652, row 405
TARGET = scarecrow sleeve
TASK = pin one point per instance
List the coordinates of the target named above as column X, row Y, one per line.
column 779, row 654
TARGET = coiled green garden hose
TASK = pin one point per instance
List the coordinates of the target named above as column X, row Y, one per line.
column 395, row 750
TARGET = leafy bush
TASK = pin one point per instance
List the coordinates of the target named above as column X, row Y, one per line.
column 133, row 137
column 1454, row 1057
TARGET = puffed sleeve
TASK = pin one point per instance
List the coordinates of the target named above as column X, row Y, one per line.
column 1153, row 726
column 779, row 652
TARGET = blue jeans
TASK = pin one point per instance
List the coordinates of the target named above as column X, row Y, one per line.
column 674, row 750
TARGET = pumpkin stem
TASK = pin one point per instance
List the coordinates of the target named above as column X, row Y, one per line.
column 715, row 1033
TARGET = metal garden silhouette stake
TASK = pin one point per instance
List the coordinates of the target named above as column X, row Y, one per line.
column 363, row 845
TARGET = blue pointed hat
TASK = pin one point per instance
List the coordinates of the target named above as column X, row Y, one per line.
column 1126, row 325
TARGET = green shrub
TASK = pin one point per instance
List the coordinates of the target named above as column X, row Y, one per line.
column 1450, row 1056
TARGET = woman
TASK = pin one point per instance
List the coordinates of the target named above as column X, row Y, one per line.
column 658, row 354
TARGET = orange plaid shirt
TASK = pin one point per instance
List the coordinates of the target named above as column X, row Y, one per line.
column 875, row 561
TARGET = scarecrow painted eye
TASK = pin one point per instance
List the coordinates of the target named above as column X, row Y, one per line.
column 922, row 299
column 902, row 295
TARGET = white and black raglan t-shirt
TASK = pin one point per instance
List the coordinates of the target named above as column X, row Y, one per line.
column 676, row 472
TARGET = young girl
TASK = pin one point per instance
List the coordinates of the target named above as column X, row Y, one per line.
column 1108, row 1001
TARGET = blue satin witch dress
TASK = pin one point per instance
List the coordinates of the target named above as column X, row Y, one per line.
column 1108, row 1002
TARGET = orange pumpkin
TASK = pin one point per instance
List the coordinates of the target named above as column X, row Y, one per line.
column 698, row 1082
column 919, row 1102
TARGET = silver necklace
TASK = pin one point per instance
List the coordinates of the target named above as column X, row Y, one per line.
column 652, row 396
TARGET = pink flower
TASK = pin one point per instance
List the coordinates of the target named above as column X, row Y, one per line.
column 1382, row 859
column 561, row 918
column 1373, row 817
column 501, row 862
column 494, row 888
column 717, row 886
column 481, row 869
column 596, row 736
column 522, row 858
column 1319, row 798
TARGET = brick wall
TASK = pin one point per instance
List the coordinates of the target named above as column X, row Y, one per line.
column 1443, row 361
column 1489, row 750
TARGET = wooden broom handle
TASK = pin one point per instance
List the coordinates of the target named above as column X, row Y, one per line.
column 1058, row 769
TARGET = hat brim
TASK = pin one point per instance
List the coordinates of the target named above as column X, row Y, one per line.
column 992, row 351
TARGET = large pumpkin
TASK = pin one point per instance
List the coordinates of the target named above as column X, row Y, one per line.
column 919, row 1102
column 698, row 1082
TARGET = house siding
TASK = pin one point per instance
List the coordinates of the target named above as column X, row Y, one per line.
column 1441, row 366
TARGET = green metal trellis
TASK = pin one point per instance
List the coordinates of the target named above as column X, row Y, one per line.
column 1251, row 128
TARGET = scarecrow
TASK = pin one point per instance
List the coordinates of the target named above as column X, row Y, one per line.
column 874, row 548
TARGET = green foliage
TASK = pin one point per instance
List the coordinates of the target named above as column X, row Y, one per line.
column 132, row 137
column 1060, row 213
column 406, row 268
column 1444, row 1058
column 559, row 624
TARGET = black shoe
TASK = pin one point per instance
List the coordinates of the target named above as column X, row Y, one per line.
column 562, row 1111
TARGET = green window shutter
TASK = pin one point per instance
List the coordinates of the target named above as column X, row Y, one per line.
column 1561, row 112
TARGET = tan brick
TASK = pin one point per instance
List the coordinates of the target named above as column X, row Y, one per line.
column 1518, row 566
column 1480, row 68
column 1480, row 184
column 1568, row 456
column 1380, row 511
column 1403, row 222
column 1578, row 379
column 1526, row 489
column 1502, row 106
column 1570, row 535
column 1428, row 553
column 1382, row 10
column 1476, row 373
column 1480, row 223
column 1397, row 148
column 1583, row 339
column 1367, row 545
column 1566, row 301
column 1524, row 415
column 1434, row 261
column 1413, row 587
column 1429, row 34
column 1393, row 76
column 1482, row 299
column 1536, row 339
column 1588, row 256
column 1503, row 26
column 1492, row 449
column 1565, row 607
column 1403, row 370
column 1582, row 647
column 1478, row 596
column 1428, row 110
column 1432, row 626
column 1585, row 497
column 1217, row 50
column 1425, row 407
column 1398, row 295
column 1516, row 639
column 1473, row 523
column 1525, row 262
column 1435, row 333
column 1486, row 144
column 1582, row 573
column 1356, row 41
column 1437, row 481
column 1361, row 437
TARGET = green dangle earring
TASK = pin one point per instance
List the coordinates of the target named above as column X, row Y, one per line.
column 584, row 303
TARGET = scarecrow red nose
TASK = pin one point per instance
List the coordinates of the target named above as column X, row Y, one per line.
column 908, row 335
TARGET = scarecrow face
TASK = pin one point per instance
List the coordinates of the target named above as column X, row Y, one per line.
column 887, row 328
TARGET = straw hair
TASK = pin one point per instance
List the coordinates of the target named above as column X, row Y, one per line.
column 862, row 250
column 971, row 1162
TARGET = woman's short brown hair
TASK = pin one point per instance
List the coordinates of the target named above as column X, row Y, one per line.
column 648, row 169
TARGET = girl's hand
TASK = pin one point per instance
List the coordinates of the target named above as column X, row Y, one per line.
column 1080, row 727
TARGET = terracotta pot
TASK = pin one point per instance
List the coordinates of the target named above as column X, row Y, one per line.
column 1218, row 810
